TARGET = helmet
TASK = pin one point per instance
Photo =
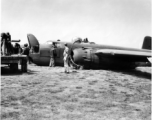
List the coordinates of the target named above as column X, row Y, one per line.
column 25, row 45
column 8, row 33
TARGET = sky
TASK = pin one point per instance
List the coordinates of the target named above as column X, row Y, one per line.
column 112, row 22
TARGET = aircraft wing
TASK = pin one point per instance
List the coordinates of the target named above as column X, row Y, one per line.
column 124, row 54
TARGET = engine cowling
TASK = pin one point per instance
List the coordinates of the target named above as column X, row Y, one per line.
column 86, row 58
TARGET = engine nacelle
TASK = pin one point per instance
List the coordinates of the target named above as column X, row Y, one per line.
column 86, row 58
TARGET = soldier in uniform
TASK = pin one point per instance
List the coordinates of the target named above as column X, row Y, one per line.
column 66, row 58
column 9, row 46
column 3, row 44
column 17, row 48
column 52, row 61
column 26, row 51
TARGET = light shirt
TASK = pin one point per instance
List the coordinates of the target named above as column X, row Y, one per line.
column 66, row 53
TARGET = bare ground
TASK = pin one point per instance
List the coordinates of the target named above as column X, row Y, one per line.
column 45, row 93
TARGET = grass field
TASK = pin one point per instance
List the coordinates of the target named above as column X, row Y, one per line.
column 45, row 93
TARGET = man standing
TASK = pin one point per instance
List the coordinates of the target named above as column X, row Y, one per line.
column 52, row 61
column 66, row 58
column 26, row 51
column 8, row 44
column 7, row 48
column 3, row 43
column 17, row 48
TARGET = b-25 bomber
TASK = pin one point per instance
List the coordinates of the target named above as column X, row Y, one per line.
column 91, row 55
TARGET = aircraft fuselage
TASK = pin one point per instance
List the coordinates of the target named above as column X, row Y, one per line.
column 84, row 54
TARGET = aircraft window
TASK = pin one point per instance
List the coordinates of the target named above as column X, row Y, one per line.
column 35, row 49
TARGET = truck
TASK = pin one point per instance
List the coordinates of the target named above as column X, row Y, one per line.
column 13, row 60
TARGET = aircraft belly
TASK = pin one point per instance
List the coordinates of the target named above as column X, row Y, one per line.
column 35, row 58
column 39, row 60
column 116, row 63
column 44, row 61
column 59, row 61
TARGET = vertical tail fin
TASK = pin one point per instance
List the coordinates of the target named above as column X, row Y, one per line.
column 147, row 43
column 33, row 42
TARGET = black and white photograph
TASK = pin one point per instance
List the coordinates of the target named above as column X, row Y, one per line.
column 76, row 59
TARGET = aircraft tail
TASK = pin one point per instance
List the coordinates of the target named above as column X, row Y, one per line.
column 147, row 43
column 32, row 40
